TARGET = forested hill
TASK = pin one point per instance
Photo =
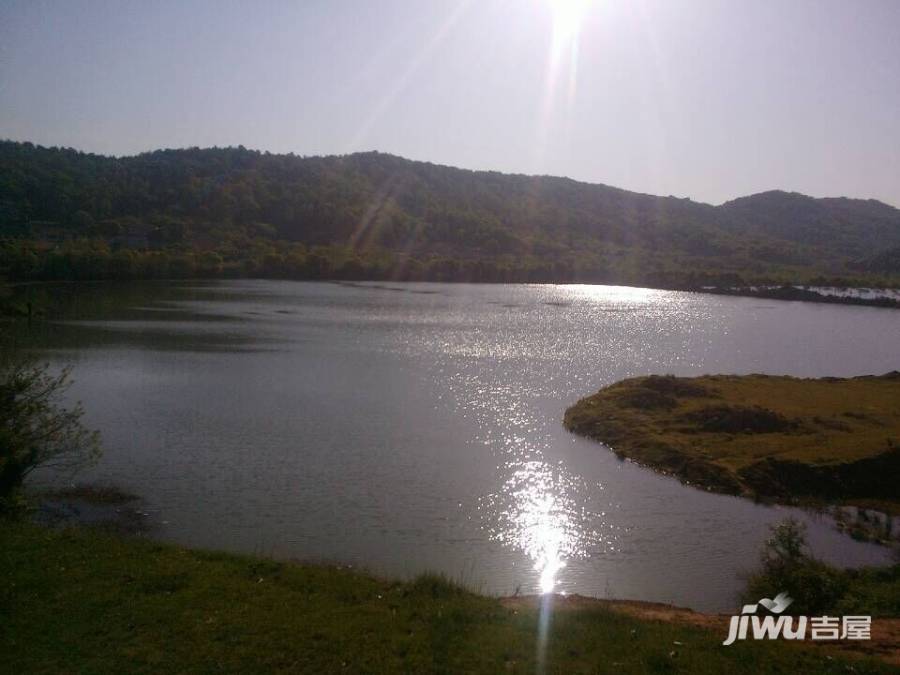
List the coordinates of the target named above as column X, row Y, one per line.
column 233, row 211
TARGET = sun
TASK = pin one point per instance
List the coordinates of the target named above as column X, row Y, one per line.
column 567, row 18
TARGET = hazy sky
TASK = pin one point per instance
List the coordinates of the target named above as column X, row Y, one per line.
column 706, row 99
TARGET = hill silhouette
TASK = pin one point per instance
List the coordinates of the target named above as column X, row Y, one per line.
column 233, row 211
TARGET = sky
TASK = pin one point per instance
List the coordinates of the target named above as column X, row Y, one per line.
column 707, row 99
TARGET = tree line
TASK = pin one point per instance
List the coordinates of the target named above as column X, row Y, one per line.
column 236, row 212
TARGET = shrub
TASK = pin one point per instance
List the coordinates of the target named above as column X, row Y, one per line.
column 645, row 399
column 737, row 419
column 675, row 386
column 36, row 429
column 787, row 566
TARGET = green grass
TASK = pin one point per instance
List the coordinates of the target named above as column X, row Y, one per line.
column 83, row 601
column 831, row 438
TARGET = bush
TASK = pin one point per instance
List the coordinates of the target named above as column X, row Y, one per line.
column 645, row 399
column 737, row 419
column 675, row 386
column 818, row 588
column 36, row 429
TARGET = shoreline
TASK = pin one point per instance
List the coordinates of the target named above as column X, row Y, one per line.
column 788, row 292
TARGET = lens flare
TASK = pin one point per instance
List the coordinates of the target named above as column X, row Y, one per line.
column 567, row 18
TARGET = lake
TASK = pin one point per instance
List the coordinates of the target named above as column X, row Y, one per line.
column 404, row 428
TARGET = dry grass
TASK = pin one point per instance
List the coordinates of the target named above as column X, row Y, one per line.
column 727, row 431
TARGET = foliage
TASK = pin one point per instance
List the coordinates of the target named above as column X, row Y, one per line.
column 786, row 547
column 817, row 588
column 740, row 419
column 237, row 212
column 36, row 428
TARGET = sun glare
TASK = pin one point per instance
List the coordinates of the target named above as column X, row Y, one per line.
column 567, row 18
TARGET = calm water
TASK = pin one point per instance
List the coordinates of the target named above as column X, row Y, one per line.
column 412, row 427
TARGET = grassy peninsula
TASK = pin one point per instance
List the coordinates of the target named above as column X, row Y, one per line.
column 81, row 600
column 789, row 439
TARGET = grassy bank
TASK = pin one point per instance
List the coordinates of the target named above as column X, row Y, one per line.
column 80, row 600
column 789, row 439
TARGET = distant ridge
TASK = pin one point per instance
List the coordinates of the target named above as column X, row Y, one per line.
column 387, row 213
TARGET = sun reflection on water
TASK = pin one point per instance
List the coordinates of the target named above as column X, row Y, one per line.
column 540, row 523
column 491, row 360
column 534, row 511
column 617, row 295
